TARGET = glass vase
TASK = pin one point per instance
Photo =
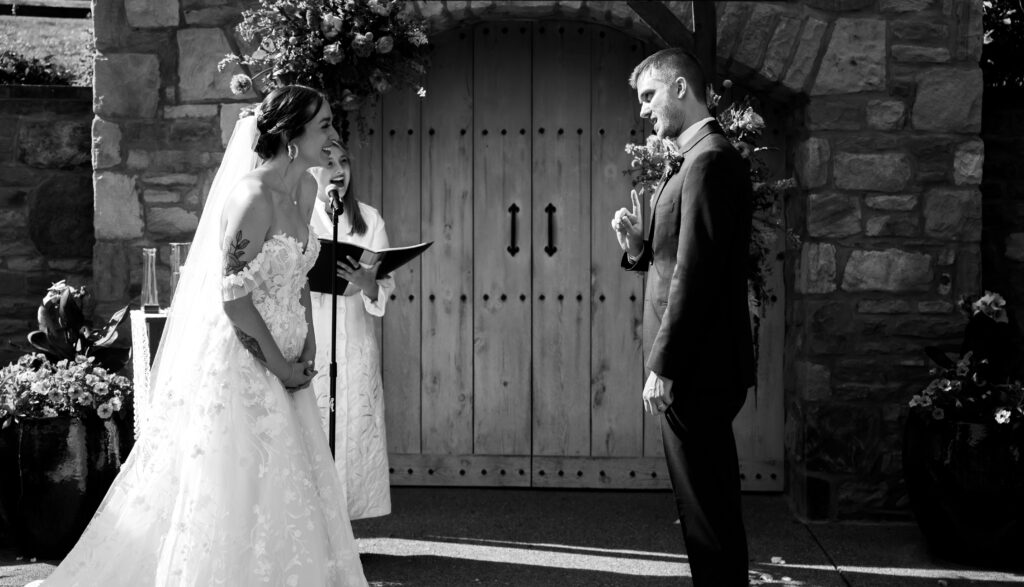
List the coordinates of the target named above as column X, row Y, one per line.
column 150, row 299
column 179, row 252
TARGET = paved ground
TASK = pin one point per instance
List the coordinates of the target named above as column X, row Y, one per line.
column 537, row 538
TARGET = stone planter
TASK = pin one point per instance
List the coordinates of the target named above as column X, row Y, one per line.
column 55, row 474
column 966, row 486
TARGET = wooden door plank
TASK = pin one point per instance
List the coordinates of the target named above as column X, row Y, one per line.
column 759, row 427
column 400, row 336
column 447, row 167
column 460, row 470
column 617, row 297
column 561, row 218
column 502, row 278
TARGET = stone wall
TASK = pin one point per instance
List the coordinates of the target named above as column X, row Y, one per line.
column 886, row 104
column 46, row 210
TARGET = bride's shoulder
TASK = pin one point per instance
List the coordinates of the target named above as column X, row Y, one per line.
column 251, row 193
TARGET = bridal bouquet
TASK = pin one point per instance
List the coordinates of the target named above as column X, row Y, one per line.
column 355, row 50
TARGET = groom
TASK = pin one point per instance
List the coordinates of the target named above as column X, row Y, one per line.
column 697, row 336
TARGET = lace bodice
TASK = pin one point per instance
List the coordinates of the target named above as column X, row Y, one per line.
column 275, row 277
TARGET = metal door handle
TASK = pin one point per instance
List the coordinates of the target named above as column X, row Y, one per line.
column 551, row 248
column 512, row 248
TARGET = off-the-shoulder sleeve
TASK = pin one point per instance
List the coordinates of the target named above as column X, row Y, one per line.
column 241, row 284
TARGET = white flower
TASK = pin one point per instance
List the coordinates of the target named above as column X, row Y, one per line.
column 422, row 92
column 105, row 411
column 49, row 412
column 1003, row 416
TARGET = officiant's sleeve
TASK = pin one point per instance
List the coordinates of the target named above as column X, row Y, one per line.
column 386, row 285
column 238, row 285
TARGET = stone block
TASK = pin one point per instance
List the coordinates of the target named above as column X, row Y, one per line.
column 814, row 381
column 917, row 31
column 835, row 114
column 935, row 109
column 884, row 306
column 905, row 5
column 14, row 217
column 946, row 257
column 855, row 59
column 877, row 172
column 968, row 271
column 893, row 225
column 191, row 111
column 886, row 114
column 935, row 307
column 112, row 268
column 106, row 144
column 833, row 215
column 199, row 50
column 841, row 438
column 756, row 35
column 812, row 161
column 54, row 144
column 891, row 203
column 60, row 220
column 730, row 27
column 1015, row 246
column 968, row 162
column 151, row 13
column 171, row 179
column 816, row 270
column 953, row 214
column 891, row 270
column 118, row 213
column 839, row 5
column 25, row 264
column 920, row 54
column 160, row 197
column 802, row 66
column 126, row 85
column 171, row 222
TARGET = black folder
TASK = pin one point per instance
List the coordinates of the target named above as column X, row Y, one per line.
column 391, row 258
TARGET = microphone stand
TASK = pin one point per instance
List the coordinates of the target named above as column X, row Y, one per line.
column 332, row 417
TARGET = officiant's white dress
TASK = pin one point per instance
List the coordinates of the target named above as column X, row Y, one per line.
column 361, row 451
column 237, row 488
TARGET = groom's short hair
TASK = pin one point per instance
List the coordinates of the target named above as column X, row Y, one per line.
column 669, row 64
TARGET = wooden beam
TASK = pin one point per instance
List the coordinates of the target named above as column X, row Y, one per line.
column 705, row 32
column 664, row 23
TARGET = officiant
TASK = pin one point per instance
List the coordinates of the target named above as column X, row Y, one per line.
column 360, row 446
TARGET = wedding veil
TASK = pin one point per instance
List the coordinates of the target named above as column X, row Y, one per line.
column 196, row 317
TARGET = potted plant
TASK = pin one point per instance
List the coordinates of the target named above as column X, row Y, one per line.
column 62, row 413
column 962, row 456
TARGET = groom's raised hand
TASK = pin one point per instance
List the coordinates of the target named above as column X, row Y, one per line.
column 629, row 226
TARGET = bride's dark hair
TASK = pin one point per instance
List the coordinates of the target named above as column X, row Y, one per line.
column 282, row 116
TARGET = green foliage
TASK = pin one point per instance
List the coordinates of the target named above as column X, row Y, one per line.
column 16, row 69
column 1001, row 57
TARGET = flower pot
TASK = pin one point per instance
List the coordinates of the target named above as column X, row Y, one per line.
column 56, row 472
column 965, row 481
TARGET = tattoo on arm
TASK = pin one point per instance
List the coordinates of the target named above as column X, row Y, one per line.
column 251, row 344
column 235, row 250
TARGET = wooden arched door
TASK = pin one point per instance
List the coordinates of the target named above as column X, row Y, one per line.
column 512, row 350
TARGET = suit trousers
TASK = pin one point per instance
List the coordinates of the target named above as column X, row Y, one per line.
column 704, row 469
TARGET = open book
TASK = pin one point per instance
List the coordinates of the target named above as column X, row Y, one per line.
column 391, row 258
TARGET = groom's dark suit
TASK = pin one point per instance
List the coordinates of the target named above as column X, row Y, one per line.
column 697, row 334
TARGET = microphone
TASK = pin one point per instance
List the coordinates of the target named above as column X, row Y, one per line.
column 334, row 199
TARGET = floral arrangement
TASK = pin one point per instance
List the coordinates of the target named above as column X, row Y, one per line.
column 35, row 387
column 65, row 331
column 655, row 161
column 978, row 387
column 355, row 50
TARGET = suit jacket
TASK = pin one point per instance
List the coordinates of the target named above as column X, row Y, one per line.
column 696, row 319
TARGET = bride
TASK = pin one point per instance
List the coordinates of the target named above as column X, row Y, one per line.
column 232, row 482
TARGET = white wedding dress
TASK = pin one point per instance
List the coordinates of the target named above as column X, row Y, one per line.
column 360, row 443
column 235, row 486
